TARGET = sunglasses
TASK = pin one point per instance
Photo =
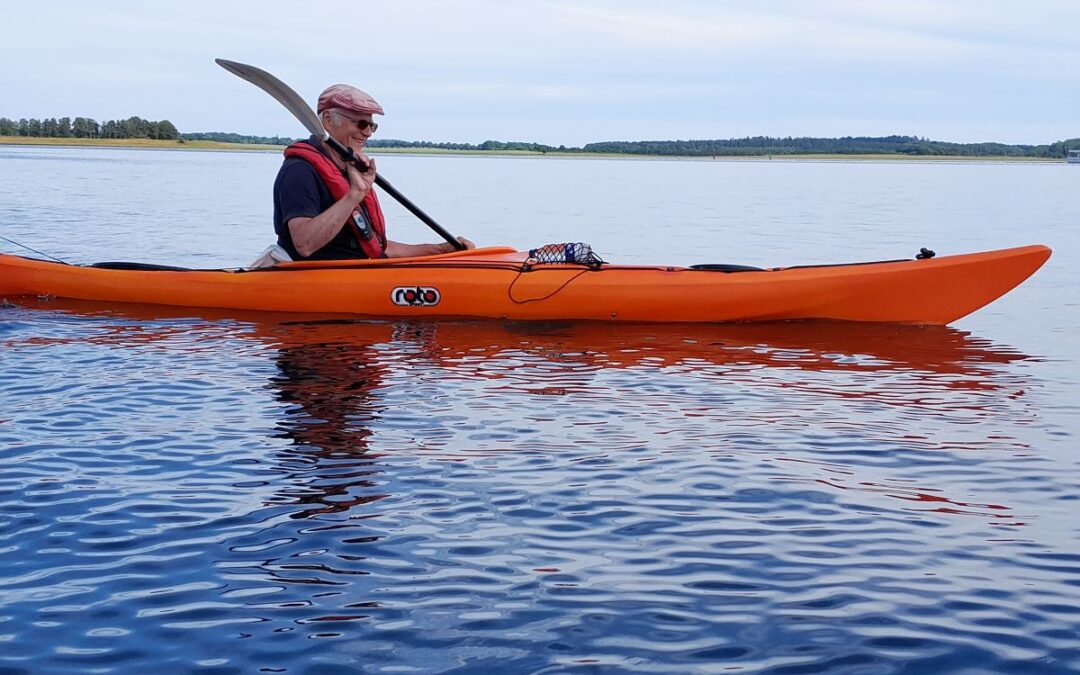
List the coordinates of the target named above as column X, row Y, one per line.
column 362, row 125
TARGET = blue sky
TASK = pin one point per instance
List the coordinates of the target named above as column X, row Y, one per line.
column 565, row 71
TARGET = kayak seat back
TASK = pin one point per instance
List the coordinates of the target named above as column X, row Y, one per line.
column 147, row 267
column 727, row 269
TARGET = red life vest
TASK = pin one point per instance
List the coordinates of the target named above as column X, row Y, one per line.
column 338, row 185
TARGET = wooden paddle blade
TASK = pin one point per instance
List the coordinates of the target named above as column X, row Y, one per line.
column 279, row 90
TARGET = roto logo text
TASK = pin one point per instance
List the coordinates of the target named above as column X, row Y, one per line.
column 415, row 296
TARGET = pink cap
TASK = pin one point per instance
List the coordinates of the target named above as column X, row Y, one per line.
column 349, row 98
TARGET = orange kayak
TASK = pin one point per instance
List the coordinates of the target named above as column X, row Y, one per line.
column 500, row 283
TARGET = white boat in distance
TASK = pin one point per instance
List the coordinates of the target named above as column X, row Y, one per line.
column 1073, row 157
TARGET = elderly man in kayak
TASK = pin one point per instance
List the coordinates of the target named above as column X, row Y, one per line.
column 327, row 209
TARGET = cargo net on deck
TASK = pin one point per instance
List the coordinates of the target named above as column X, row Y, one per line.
column 575, row 253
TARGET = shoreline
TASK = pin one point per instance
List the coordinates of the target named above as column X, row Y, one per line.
column 152, row 144
column 136, row 143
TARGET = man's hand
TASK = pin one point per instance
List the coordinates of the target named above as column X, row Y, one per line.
column 447, row 247
column 360, row 182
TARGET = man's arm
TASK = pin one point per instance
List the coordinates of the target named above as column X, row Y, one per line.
column 396, row 249
column 311, row 234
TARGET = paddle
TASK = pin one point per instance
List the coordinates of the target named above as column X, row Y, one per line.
column 303, row 112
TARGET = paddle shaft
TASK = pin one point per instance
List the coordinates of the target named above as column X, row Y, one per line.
column 351, row 157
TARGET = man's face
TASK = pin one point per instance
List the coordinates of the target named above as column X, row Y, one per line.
column 349, row 128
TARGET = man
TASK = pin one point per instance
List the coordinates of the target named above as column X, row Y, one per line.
column 326, row 209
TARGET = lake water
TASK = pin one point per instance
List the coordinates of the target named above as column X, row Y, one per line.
column 191, row 491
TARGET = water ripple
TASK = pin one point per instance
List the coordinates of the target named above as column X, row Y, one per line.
column 192, row 492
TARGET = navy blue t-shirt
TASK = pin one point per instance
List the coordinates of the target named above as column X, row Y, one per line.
column 299, row 192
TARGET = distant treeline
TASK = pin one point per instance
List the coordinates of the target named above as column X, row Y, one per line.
column 848, row 145
column 84, row 127
column 756, row 146
column 760, row 146
column 223, row 137
column 486, row 145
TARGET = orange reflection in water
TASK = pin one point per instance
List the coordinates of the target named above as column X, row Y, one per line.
column 811, row 345
column 329, row 371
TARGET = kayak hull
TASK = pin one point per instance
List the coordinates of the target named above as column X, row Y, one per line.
column 491, row 283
